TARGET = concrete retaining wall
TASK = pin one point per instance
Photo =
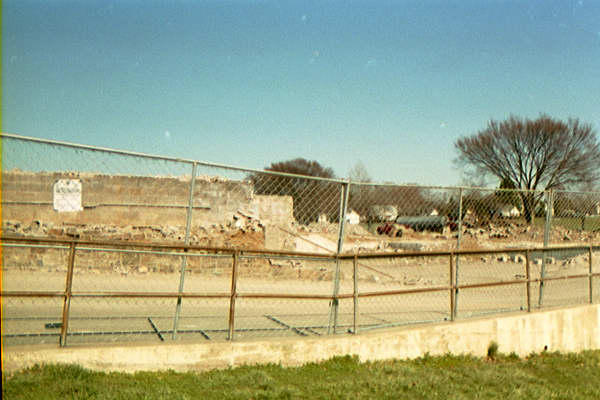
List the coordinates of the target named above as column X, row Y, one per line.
column 565, row 330
column 124, row 200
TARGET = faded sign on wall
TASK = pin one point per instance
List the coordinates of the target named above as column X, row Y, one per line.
column 67, row 195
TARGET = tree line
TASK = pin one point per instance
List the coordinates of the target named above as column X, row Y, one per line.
column 525, row 156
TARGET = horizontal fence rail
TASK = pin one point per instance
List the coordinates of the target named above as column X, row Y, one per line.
column 249, row 295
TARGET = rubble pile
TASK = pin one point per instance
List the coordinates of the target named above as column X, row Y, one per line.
column 246, row 222
column 212, row 235
column 246, row 230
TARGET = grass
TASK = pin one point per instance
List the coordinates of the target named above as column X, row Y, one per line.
column 589, row 223
column 546, row 375
column 582, row 223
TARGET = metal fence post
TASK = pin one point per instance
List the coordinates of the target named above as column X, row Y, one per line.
column 547, row 225
column 458, row 240
column 528, row 276
column 333, row 313
column 188, row 225
column 355, row 296
column 452, row 287
column 67, row 299
column 234, row 274
column 344, row 194
column 591, row 282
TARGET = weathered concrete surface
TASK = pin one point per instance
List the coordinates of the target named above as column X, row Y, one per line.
column 124, row 200
column 566, row 330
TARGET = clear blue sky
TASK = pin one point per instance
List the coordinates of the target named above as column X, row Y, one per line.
column 390, row 83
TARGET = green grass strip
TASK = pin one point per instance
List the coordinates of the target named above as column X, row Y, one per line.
column 546, row 375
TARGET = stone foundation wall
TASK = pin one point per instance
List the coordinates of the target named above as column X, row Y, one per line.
column 120, row 200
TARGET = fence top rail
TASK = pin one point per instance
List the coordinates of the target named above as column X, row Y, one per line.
column 251, row 170
column 112, row 244
column 164, row 158
column 453, row 188
column 93, row 148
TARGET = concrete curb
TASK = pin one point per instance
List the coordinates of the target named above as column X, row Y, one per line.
column 566, row 330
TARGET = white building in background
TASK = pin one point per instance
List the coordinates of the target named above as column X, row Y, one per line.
column 353, row 218
column 509, row 211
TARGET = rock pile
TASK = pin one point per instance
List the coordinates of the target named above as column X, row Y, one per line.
column 211, row 235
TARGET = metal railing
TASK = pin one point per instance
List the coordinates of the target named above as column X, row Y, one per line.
column 235, row 294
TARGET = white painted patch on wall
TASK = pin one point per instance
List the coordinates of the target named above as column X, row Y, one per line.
column 67, row 195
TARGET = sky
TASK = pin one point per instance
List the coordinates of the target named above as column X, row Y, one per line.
column 390, row 84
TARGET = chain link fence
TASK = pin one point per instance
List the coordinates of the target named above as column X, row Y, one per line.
column 296, row 282
column 227, row 294
column 66, row 190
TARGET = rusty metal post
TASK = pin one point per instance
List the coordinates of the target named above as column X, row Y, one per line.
column 452, row 288
column 528, row 276
column 591, row 282
column 355, row 276
column 234, row 274
column 67, row 299
column 188, row 225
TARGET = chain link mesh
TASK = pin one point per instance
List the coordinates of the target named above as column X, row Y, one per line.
column 57, row 190
column 382, row 281
column 558, row 265
column 576, row 217
column 70, row 192
column 31, row 320
column 472, row 271
column 39, row 269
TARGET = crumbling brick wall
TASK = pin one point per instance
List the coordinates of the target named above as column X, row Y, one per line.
column 124, row 200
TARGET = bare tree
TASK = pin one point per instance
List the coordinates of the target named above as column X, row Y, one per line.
column 360, row 190
column 534, row 154
column 311, row 197
column 507, row 195
column 301, row 166
column 358, row 173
